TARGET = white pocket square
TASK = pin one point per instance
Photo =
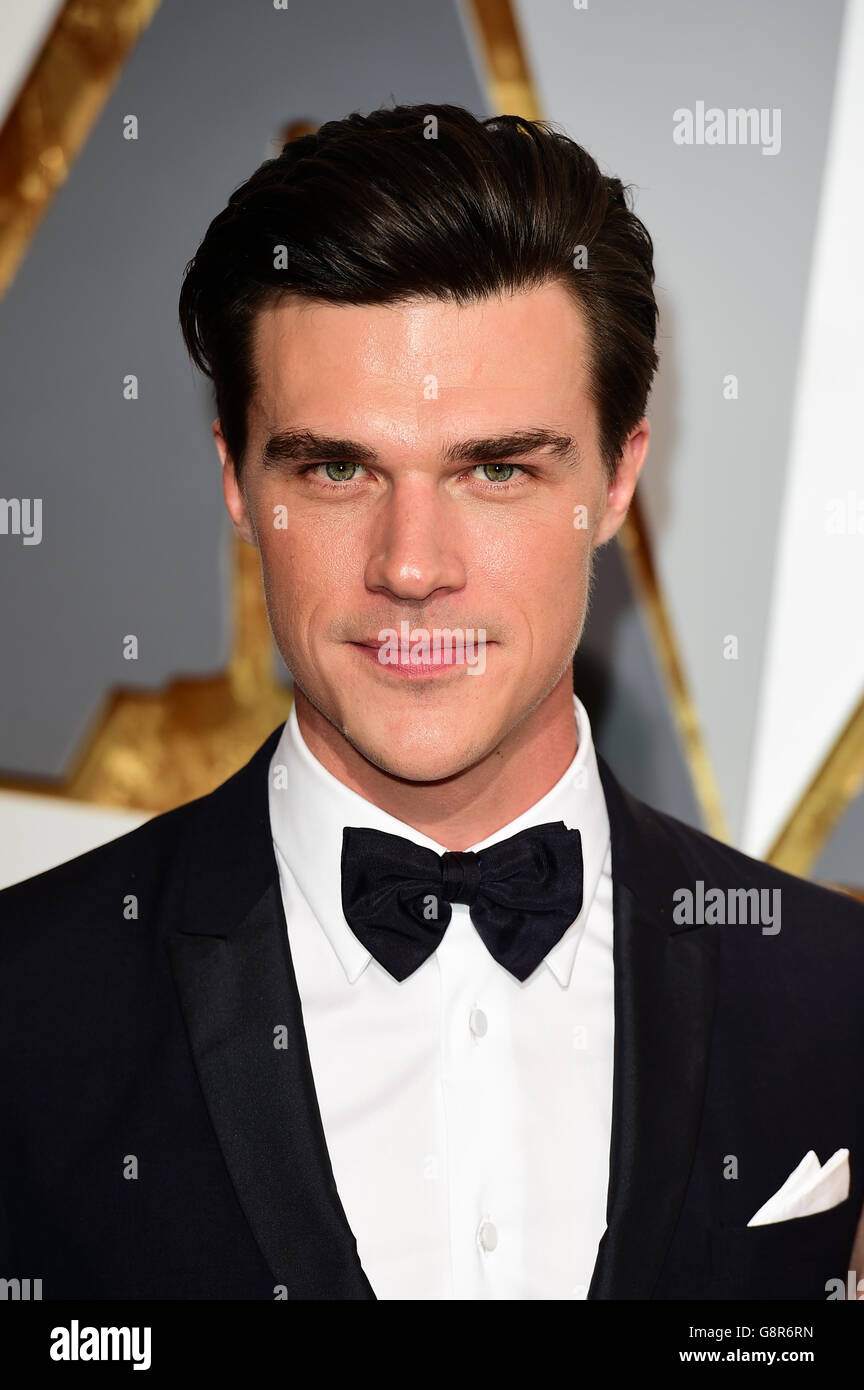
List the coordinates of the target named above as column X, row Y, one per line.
column 810, row 1188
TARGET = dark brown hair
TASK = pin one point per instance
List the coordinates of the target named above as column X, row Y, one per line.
column 427, row 201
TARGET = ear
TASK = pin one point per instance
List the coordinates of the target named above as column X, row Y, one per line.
column 235, row 500
column 620, row 491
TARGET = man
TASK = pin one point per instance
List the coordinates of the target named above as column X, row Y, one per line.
column 422, row 1003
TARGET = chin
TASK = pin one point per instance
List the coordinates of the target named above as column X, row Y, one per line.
column 420, row 750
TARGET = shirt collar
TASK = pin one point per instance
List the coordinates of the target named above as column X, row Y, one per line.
column 309, row 808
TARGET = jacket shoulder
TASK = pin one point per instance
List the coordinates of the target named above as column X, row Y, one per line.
column 226, row 829
column 89, row 886
column 722, row 865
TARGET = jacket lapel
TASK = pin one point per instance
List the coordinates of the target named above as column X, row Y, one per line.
column 235, row 979
column 665, row 983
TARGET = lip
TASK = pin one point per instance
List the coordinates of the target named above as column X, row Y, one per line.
column 414, row 670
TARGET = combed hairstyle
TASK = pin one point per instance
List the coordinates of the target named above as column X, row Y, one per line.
column 427, row 201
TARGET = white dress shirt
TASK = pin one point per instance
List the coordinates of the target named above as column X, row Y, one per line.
column 467, row 1116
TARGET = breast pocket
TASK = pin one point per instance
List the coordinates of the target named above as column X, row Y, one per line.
column 786, row 1259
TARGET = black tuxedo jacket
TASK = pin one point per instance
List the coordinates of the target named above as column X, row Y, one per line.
column 155, row 1144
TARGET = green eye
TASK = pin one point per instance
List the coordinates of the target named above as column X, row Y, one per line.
column 493, row 471
column 340, row 472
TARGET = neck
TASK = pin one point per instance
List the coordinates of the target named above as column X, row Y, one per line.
column 468, row 807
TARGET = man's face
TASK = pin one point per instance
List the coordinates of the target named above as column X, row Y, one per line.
column 491, row 541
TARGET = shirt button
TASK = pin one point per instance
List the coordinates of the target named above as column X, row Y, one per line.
column 487, row 1235
column 477, row 1022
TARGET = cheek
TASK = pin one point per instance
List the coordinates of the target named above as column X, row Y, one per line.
column 300, row 565
column 289, row 587
column 537, row 564
column 563, row 565
column 559, row 596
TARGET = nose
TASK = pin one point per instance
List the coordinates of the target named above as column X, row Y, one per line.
column 416, row 548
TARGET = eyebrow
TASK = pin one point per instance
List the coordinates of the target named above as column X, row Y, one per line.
column 304, row 446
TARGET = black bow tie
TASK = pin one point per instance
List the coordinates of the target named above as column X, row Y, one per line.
column 522, row 894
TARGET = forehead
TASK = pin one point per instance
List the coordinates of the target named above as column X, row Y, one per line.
column 426, row 360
